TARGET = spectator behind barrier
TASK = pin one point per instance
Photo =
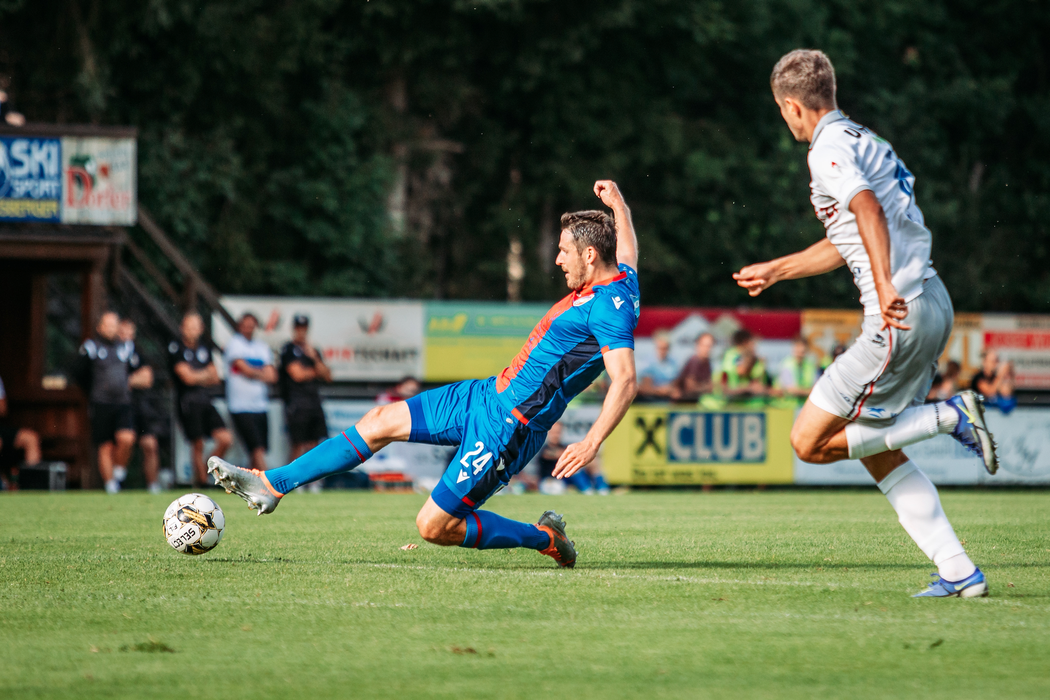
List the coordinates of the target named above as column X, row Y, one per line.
column 657, row 380
column 251, row 369
column 588, row 480
column 797, row 373
column 194, row 371
column 302, row 371
column 102, row 371
column 18, row 446
column 945, row 385
column 995, row 382
column 147, row 419
column 694, row 380
column 404, row 389
column 743, row 371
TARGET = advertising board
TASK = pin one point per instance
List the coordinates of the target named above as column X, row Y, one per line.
column 1025, row 341
column 474, row 340
column 667, row 446
column 98, row 181
column 1024, row 456
column 361, row 340
column 30, row 178
column 72, row 180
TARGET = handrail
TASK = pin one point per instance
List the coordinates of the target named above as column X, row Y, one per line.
column 184, row 266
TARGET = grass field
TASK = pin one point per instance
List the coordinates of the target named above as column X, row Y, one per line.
column 725, row 594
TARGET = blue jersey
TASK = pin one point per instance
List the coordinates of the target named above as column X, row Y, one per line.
column 563, row 354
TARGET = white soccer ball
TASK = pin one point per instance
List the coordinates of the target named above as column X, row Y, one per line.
column 193, row 524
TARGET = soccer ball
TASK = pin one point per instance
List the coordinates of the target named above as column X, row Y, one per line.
column 193, row 524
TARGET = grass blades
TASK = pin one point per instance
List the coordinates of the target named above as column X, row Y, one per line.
column 776, row 594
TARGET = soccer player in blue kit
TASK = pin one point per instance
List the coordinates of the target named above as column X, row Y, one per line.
column 501, row 422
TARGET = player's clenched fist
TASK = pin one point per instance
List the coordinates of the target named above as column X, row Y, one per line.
column 609, row 193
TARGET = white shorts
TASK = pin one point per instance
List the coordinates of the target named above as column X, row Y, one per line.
column 886, row 371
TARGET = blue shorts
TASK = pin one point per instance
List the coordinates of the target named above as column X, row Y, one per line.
column 493, row 445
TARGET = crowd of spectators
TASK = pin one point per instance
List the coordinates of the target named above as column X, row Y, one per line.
column 740, row 377
column 125, row 409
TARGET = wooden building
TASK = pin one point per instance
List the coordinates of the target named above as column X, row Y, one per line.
column 62, row 263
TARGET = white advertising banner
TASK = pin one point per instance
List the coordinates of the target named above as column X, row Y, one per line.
column 1024, row 455
column 99, row 181
column 361, row 340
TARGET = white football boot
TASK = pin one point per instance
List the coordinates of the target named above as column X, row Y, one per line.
column 250, row 484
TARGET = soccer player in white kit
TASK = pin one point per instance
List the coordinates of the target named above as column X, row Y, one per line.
column 869, row 403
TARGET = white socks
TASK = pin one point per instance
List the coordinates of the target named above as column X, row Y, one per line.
column 918, row 507
column 913, row 425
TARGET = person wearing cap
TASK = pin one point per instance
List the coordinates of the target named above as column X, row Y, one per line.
column 250, row 366
column 302, row 371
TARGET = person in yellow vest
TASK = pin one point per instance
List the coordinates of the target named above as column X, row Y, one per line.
column 797, row 375
column 744, row 371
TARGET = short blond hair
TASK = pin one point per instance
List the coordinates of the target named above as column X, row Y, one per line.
column 806, row 75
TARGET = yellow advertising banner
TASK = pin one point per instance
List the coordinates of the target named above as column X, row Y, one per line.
column 474, row 340
column 662, row 445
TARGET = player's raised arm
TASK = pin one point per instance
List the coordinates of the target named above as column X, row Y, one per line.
column 619, row 364
column 626, row 241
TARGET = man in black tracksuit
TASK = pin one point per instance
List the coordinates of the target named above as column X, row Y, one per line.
column 193, row 371
column 302, row 371
column 102, row 371
column 148, row 418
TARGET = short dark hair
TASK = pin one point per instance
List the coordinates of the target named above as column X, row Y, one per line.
column 248, row 314
column 808, row 76
column 741, row 336
column 595, row 229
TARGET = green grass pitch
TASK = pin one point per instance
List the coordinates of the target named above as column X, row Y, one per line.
column 775, row 594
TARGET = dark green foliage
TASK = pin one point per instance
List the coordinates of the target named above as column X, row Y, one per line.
column 273, row 133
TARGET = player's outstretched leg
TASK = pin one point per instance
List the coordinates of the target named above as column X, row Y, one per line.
column 264, row 490
column 483, row 529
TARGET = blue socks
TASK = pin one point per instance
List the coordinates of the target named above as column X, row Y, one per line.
column 339, row 454
column 486, row 530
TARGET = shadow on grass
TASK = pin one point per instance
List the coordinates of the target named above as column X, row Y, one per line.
column 753, row 565
column 253, row 560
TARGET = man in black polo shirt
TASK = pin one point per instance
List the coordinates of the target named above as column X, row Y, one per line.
column 193, row 371
column 102, row 371
column 302, row 371
column 148, row 420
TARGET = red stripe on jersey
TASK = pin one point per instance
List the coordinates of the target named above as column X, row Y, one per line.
column 519, row 415
column 605, row 349
column 602, row 283
column 505, row 377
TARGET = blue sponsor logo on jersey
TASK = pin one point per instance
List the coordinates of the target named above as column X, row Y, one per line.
column 716, row 437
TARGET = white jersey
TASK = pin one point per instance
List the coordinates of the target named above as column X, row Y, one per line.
column 244, row 395
column 844, row 159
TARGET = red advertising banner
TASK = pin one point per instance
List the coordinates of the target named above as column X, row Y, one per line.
column 1024, row 340
column 769, row 325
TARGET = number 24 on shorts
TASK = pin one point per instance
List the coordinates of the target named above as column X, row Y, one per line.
column 479, row 462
